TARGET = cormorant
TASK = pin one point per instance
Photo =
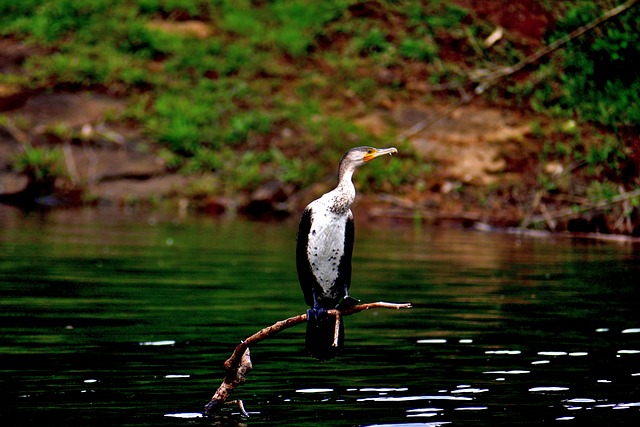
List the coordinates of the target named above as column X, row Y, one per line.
column 323, row 254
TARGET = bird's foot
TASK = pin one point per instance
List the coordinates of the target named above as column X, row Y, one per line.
column 316, row 312
column 347, row 302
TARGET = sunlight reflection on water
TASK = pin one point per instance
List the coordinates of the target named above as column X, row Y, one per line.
column 185, row 415
column 411, row 398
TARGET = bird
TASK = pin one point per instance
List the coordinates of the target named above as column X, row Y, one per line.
column 324, row 248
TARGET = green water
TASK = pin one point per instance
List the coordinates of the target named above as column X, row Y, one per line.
column 125, row 319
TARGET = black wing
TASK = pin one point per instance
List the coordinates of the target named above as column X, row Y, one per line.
column 305, row 275
column 344, row 268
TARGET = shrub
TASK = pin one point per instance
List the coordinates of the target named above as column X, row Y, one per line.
column 40, row 164
column 601, row 81
column 417, row 49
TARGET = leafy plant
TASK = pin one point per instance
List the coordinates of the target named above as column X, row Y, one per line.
column 40, row 164
column 418, row 49
column 600, row 79
column 607, row 155
column 374, row 41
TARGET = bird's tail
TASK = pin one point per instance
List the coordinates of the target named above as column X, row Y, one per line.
column 320, row 337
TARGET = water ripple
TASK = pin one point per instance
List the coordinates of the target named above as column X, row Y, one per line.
column 580, row 400
column 410, row 398
column 186, row 415
column 382, row 389
column 159, row 343
column 471, row 408
column 552, row 353
column 314, row 390
column 543, row 389
column 470, row 390
column 435, row 424
column 510, row 352
column 425, row 410
column 628, row 351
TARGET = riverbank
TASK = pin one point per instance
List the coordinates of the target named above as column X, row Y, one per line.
column 145, row 126
column 482, row 165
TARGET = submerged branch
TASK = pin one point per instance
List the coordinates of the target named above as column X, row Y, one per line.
column 232, row 379
column 239, row 364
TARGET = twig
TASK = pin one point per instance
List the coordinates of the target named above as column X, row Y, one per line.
column 239, row 364
column 537, row 198
column 240, row 404
column 232, row 362
column 70, row 163
column 547, row 217
column 336, row 331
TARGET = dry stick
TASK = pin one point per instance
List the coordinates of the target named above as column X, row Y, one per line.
column 551, row 223
column 232, row 379
column 239, row 364
column 336, row 331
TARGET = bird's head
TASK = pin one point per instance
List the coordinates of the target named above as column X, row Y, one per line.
column 360, row 155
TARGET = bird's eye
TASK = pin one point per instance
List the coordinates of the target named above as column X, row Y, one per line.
column 370, row 151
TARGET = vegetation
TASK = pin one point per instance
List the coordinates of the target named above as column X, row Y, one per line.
column 41, row 165
column 256, row 86
column 599, row 80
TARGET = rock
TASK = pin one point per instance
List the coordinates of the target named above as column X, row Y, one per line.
column 268, row 201
column 215, row 206
column 126, row 190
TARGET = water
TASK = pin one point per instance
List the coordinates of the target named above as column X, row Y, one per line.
column 126, row 319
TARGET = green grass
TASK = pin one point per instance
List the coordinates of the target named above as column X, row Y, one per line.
column 598, row 74
column 40, row 164
column 221, row 103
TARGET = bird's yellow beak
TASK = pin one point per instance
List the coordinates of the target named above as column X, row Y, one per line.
column 375, row 152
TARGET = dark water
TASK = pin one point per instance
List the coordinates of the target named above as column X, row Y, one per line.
column 126, row 320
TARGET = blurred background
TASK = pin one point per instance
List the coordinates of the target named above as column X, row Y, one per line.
column 245, row 107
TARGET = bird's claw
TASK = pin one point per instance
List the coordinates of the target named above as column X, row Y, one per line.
column 316, row 313
column 347, row 302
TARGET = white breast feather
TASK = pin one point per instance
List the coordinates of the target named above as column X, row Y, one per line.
column 326, row 243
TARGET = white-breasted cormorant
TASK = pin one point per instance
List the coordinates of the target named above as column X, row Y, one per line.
column 323, row 254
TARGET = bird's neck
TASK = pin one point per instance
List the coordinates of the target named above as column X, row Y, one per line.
column 342, row 197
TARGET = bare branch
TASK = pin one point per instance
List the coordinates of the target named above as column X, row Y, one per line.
column 336, row 331
column 296, row 320
column 232, row 361
column 239, row 364
column 234, row 378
